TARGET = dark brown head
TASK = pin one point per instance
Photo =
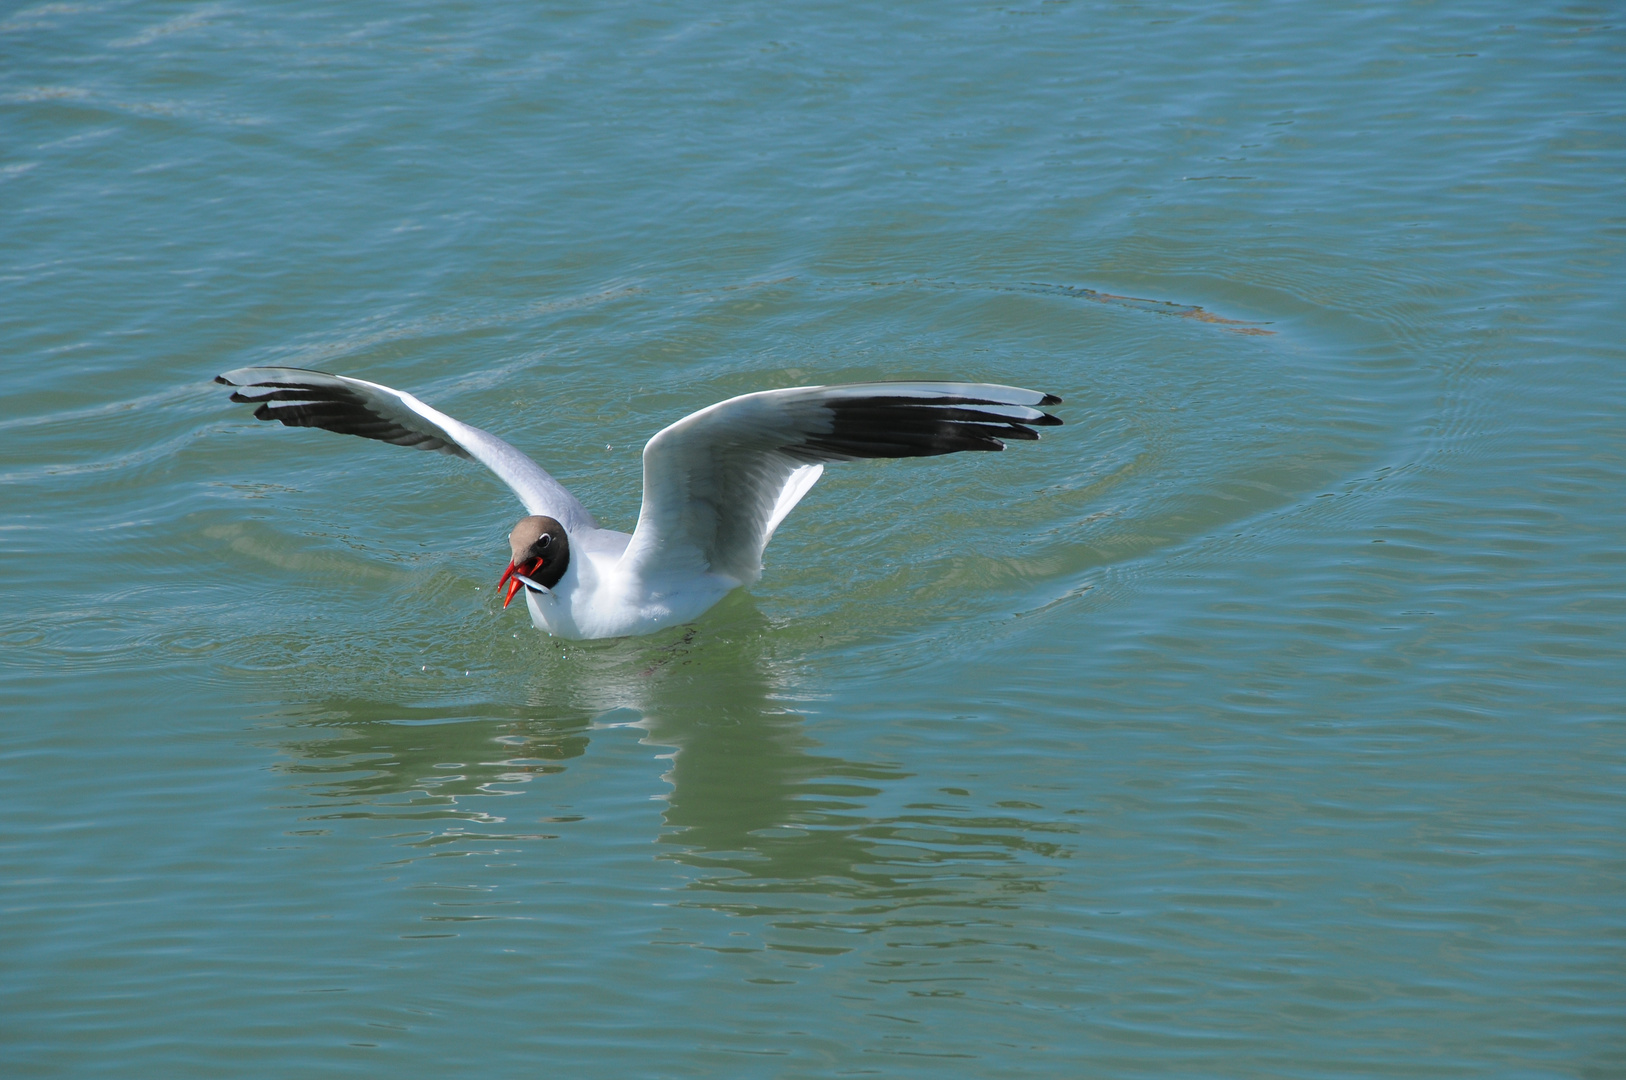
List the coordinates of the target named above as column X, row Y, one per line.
column 541, row 554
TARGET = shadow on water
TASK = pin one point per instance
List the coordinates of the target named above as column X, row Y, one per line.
column 760, row 819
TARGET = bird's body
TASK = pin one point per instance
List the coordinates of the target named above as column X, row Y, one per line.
column 716, row 483
column 598, row 598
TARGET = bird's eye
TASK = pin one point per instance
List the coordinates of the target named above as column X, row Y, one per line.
column 547, row 538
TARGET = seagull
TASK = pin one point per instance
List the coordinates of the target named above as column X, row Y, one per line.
column 716, row 484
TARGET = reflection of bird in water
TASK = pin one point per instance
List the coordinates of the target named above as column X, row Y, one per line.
column 765, row 818
column 716, row 483
column 454, row 765
column 776, row 825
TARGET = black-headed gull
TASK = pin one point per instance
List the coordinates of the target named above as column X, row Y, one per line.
column 716, row 483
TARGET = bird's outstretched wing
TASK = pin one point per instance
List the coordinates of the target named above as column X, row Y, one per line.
column 718, row 482
column 303, row 398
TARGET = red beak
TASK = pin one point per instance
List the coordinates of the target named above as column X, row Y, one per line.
column 514, row 583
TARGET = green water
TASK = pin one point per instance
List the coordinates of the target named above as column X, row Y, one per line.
column 1265, row 720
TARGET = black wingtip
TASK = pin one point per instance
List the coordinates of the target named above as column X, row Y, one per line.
column 223, row 381
column 1050, row 399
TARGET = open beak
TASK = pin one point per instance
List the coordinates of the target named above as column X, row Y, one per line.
column 515, row 578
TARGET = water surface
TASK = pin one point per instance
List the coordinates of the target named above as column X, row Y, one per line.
column 1263, row 720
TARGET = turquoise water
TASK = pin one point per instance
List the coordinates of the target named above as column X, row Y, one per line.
column 1265, row 720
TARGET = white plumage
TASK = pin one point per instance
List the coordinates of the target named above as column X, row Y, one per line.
column 716, row 483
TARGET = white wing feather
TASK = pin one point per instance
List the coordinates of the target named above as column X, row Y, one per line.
column 302, row 398
column 718, row 482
